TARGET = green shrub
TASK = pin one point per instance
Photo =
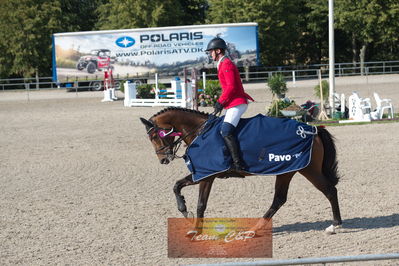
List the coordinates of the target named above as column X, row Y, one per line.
column 277, row 84
column 326, row 90
column 147, row 91
column 144, row 91
column 122, row 85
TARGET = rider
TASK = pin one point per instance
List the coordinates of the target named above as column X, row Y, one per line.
column 233, row 97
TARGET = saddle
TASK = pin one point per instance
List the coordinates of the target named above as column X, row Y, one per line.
column 268, row 146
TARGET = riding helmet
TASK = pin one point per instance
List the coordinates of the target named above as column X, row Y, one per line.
column 216, row 43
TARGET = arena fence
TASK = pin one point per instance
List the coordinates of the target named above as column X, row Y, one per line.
column 321, row 260
column 249, row 74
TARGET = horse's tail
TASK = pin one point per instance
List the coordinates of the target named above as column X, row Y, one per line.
column 330, row 163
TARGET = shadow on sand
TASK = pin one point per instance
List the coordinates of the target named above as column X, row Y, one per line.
column 357, row 224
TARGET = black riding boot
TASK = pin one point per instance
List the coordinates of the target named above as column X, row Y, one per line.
column 232, row 146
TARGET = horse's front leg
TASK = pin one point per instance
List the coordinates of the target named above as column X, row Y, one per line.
column 204, row 190
column 181, row 202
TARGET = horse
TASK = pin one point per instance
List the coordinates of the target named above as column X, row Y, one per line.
column 185, row 124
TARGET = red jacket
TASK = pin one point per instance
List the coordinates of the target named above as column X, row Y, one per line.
column 232, row 90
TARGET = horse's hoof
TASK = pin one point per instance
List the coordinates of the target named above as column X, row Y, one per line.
column 189, row 216
column 330, row 230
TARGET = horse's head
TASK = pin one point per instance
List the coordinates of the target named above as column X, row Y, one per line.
column 171, row 122
column 162, row 139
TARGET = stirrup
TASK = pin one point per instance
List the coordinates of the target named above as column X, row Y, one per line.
column 238, row 166
column 240, row 173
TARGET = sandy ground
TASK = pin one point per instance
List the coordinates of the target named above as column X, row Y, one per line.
column 81, row 185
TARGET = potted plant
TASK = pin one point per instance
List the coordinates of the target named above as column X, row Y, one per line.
column 277, row 85
column 278, row 105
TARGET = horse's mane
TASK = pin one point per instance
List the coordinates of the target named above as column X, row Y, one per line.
column 180, row 109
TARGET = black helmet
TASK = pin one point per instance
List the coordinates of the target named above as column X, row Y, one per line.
column 216, row 43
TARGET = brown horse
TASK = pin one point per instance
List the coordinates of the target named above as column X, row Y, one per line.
column 163, row 128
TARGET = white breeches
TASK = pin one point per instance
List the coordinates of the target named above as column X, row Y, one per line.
column 234, row 114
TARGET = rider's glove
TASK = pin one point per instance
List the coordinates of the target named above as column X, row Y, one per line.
column 218, row 107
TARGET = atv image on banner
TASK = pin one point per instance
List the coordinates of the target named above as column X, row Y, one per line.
column 97, row 60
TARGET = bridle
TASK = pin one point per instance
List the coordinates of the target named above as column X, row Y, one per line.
column 162, row 133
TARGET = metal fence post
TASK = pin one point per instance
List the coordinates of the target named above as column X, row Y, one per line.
column 76, row 84
column 27, row 87
column 293, row 77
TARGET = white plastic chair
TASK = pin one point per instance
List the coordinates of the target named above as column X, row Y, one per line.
column 382, row 105
column 365, row 103
column 340, row 101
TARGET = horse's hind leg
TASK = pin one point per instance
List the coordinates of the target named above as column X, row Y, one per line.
column 280, row 193
column 324, row 185
column 181, row 202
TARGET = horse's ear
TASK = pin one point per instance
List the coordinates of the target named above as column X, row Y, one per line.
column 147, row 123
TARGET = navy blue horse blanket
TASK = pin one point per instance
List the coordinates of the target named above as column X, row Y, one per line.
column 268, row 146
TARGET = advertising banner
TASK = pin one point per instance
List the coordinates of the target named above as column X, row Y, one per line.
column 141, row 51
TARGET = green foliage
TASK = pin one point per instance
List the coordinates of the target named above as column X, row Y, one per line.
column 326, row 90
column 127, row 14
column 26, row 27
column 368, row 23
column 211, row 93
column 290, row 32
column 193, row 11
column 277, row 84
column 278, row 21
column 147, row 91
column 277, row 106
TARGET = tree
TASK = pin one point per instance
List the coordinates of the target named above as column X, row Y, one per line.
column 29, row 25
column 125, row 14
column 26, row 28
column 316, row 30
column 79, row 15
column 6, row 58
column 193, row 11
column 367, row 22
column 278, row 25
